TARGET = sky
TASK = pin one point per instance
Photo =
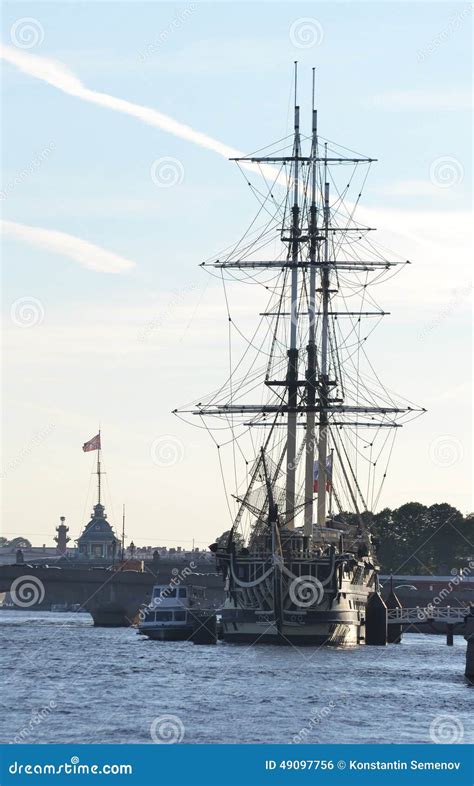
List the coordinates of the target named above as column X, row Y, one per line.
column 117, row 122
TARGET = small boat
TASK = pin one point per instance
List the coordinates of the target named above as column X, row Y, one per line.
column 172, row 613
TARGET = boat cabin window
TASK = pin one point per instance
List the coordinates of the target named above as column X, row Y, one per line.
column 165, row 592
column 182, row 592
column 163, row 616
column 180, row 616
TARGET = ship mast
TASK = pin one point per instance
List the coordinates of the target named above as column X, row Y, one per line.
column 293, row 349
column 323, row 377
column 314, row 397
column 311, row 349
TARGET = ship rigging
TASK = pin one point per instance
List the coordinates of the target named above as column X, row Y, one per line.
column 324, row 424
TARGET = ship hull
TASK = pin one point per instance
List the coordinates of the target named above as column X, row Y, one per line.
column 314, row 629
column 309, row 602
column 167, row 634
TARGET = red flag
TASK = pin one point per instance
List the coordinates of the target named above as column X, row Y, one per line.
column 93, row 444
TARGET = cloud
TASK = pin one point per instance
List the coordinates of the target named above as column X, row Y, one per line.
column 58, row 75
column 86, row 254
column 423, row 100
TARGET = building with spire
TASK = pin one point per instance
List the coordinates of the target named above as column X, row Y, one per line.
column 98, row 540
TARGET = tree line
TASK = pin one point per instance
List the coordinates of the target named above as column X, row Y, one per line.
column 418, row 540
column 413, row 539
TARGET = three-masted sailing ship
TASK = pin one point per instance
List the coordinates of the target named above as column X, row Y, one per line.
column 297, row 568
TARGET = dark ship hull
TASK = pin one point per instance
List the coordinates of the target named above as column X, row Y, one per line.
column 297, row 598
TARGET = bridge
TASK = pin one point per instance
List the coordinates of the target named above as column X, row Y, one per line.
column 449, row 615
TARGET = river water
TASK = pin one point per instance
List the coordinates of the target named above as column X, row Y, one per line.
column 65, row 681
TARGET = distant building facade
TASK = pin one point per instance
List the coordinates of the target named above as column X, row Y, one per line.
column 98, row 541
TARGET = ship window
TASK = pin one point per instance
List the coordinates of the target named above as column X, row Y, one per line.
column 180, row 616
column 182, row 592
column 163, row 616
column 171, row 592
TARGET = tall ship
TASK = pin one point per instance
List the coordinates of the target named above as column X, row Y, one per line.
column 303, row 425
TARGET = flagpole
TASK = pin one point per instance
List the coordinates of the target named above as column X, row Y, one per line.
column 123, row 532
column 98, row 471
column 331, row 484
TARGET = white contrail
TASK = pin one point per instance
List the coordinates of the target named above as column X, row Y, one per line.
column 57, row 74
column 87, row 254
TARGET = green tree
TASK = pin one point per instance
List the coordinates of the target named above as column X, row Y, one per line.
column 237, row 538
column 20, row 543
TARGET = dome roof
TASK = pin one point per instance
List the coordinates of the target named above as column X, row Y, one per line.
column 98, row 528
